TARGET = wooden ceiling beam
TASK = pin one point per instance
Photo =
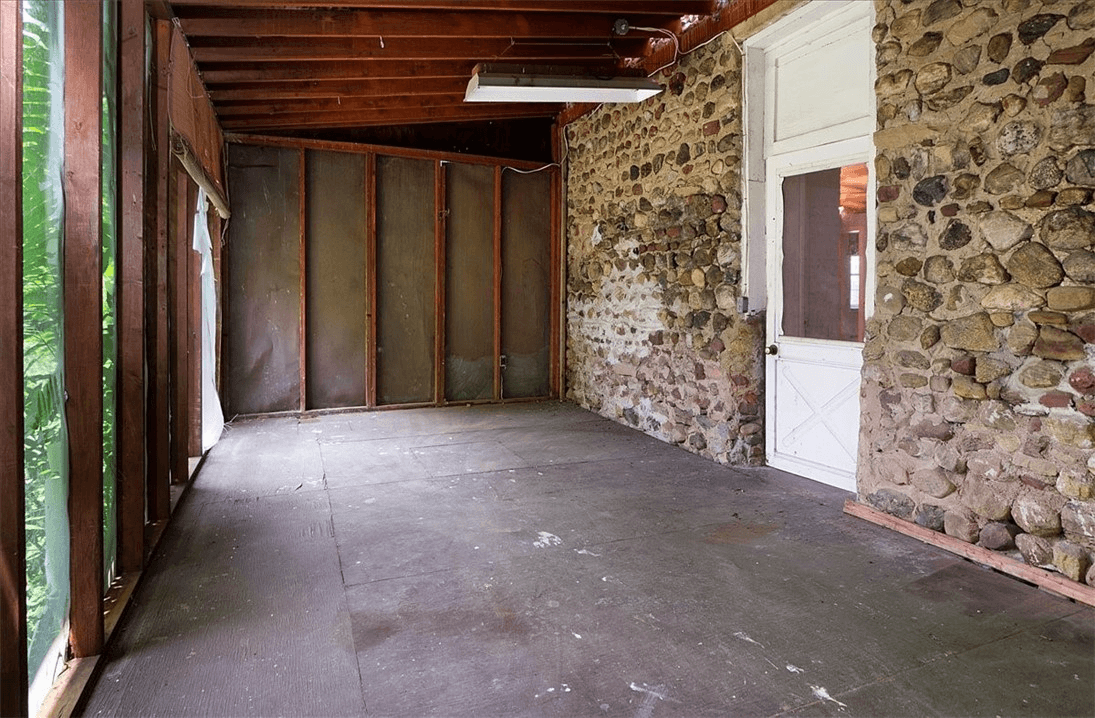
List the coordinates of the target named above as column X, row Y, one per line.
column 246, row 91
column 407, row 71
column 674, row 8
column 404, row 23
column 363, row 104
column 459, row 113
column 365, row 48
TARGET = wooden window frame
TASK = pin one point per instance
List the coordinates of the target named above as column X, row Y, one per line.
column 13, row 589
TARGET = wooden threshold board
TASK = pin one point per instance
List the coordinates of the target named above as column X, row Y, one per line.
column 1048, row 580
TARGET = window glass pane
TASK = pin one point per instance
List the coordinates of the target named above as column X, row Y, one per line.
column 45, row 439
column 824, row 230
column 110, row 243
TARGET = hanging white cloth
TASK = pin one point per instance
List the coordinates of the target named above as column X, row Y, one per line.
column 212, row 416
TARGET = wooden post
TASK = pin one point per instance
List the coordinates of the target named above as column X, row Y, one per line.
column 497, row 283
column 370, row 279
column 216, row 227
column 178, row 260
column 559, row 265
column 83, row 301
column 302, row 357
column 131, row 337
column 156, row 222
column 555, row 254
column 13, row 573
column 441, row 212
column 194, row 328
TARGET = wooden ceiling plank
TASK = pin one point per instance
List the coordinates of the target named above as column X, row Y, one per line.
column 363, row 48
column 215, row 74
column 457, row 113
column 674, row 8
column 270, row 91
column 334, row 70
column 406, row 23
column 224, row 111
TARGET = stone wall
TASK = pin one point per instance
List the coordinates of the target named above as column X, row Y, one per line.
column 978, row 384
column 654, row 264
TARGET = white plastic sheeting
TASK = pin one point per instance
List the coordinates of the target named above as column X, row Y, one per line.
column 212, row 416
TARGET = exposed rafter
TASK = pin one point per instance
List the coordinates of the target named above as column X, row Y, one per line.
column 266, row 91
column 404, row 23
column 286, row 64
column 356, row 118
column 671, row 8
column 221, row 49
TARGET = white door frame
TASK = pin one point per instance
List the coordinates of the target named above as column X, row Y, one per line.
column 767, row 161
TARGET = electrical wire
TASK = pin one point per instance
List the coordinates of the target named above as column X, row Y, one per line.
column 559, row 164
column 677, row 55
column 676, row 45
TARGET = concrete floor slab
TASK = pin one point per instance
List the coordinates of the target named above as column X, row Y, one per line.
column 538, row 560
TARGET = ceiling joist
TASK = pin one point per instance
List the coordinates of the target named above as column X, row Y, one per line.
column 400, row 48
column 405, row 23
column 359, row 104
column 249, row 91
column 354, row 118
column 285, row 65
column 671, row 8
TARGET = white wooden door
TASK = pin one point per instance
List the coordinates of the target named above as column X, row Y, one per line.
column 816, row 170
column 819, row 221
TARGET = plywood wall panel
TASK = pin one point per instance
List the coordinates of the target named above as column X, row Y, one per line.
column 526, row 284
column 406, row 301
column 336, row 298
column 263, row 257
column 469, row 318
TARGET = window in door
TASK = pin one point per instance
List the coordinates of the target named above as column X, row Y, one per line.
column 825, row 226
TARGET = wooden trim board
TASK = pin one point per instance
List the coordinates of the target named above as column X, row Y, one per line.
column 273, row 141
column 1048, row 580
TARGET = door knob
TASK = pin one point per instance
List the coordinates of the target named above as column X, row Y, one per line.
column 772, row 349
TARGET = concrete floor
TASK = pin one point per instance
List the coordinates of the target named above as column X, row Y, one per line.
column 538, row 560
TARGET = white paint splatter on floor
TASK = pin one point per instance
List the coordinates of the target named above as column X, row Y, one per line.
column 823, row 694
column 794, row 669
column 546, row 540
column 651, row 696
column 584, row 552
column 564, row 688
column 742, row 635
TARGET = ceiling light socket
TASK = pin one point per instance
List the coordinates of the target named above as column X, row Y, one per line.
column 621, row 27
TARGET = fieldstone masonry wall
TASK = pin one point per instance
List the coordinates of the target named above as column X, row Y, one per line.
column 979, row 388
column 654, row 264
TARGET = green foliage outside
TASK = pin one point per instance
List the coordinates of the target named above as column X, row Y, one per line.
column 110, row 243
column 45, row 441
column 46, row 446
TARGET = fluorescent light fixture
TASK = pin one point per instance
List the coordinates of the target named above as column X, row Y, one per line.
column 495, row 86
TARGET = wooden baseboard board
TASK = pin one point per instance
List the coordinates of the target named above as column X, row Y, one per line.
column 1053, row 582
